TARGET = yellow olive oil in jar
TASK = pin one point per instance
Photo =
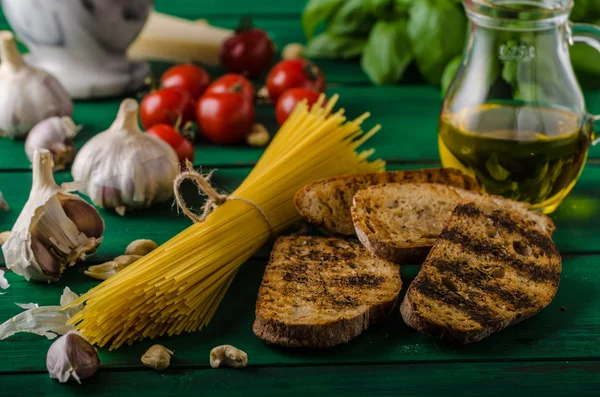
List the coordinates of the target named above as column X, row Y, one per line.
column 526, row 153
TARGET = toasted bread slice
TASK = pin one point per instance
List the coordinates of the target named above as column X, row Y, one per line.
column 400, row 222
column 327, row 202
column 491, row 267
column 320, row 292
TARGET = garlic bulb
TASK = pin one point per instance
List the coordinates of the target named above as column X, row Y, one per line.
column 54, row 230
column 72, row 357
column 55, row 134
column 27, row 95
column 123, row 168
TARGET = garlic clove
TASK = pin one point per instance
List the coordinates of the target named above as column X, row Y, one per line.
column 157, row 357
column 56, row 135
column 50, row 265
column 27, row 95
column 125, row 169
column 45, row 240
column 72, row 357
column 84, row 216
column 140, row 247
column 110, row 268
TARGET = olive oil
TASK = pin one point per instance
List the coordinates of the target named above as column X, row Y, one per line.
column 526, row 153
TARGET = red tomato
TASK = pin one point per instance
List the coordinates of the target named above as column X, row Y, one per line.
column 167, row 106
column 250, row 51
column 167, row 133
column 232, row 83
column 225, row 118
column 293, row 73
column 289, row 99
column 188, row 77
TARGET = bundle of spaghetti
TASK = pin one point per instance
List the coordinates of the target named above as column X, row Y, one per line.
column 179, row 286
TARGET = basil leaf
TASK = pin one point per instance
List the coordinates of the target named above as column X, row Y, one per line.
column 437, row 30
column 330, row 46
column 316, row 12
column 449, row 73
column 580, row 10
column 388, row 52
column 352, row 18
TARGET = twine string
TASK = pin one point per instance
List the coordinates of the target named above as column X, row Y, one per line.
column 205, row 188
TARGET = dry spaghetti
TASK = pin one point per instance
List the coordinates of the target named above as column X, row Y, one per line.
column 179, row 286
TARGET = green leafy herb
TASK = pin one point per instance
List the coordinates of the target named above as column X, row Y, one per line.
column 388, row 52
column 331, row 46
column 437, row 31
column 352, row 18
column 316, row 12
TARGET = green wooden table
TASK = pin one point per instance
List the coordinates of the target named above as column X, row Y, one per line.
column 555, row 353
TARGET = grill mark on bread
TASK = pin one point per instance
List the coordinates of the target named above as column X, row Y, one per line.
column 480, row 314
column 481, row 247
column 482, row 281
column 504, row 219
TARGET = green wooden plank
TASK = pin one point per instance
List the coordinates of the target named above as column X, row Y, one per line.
column 480, row 379
column 577, row 219
column 194, row 9
column 553, row 333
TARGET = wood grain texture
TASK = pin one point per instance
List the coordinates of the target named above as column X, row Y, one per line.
column 573, row 334
column 472, row 379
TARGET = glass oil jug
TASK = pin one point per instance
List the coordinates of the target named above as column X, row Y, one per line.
column 514, row 117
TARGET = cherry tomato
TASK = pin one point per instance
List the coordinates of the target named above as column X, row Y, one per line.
column 225, row 118
column 289, row 99
column 188, row 77
column 232, row 83
column 169, row 134
column 250, row 51
column 293, row 73
column 167, row 106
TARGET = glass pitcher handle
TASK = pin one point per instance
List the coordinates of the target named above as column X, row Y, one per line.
column 590, row 35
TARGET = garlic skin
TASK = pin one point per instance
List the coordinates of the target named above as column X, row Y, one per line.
column 72, row 357
column 56, row 135
column 28, row 95
column 54, row 230
column 124, row 168
column 48, row 321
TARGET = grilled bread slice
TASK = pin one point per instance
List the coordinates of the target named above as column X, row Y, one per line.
column 327, row 202
column 400, row 222
column 320, row 292
column 490, row 268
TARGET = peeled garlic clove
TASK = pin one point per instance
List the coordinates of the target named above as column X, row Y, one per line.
column 140, row 247
column 55, row 134
column 157, row 357
column 27, row 95
column 72, row 357
column 3, row 237
column 54, row 230
column 125, row 169
column 228, row 356
column 110, row 268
